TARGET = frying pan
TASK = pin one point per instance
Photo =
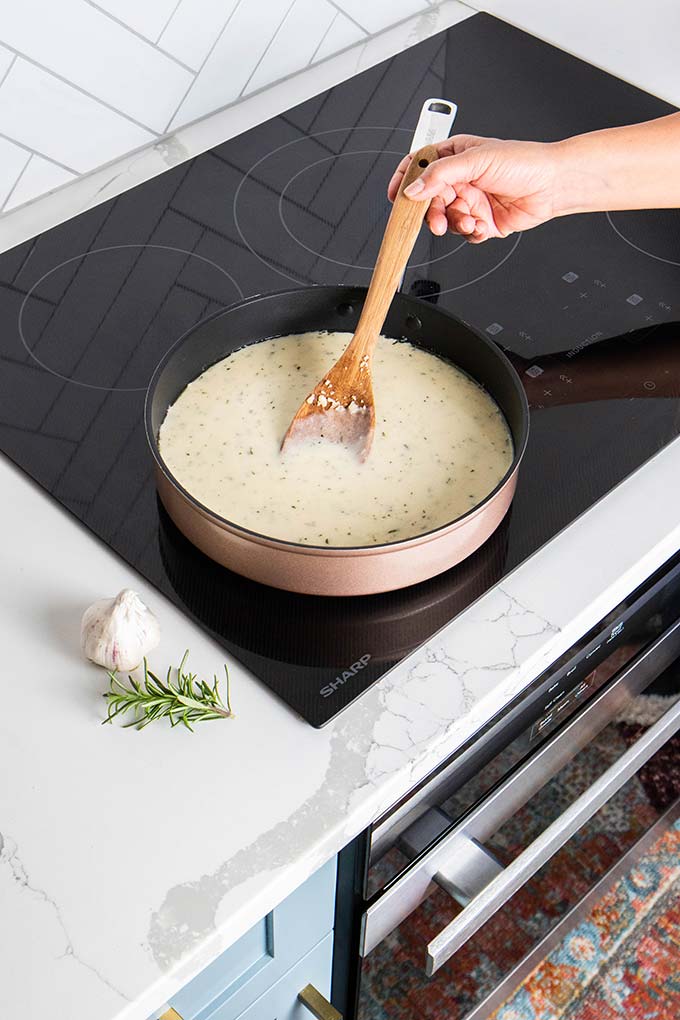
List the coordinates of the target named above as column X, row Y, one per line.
column 388, row 626
column 318, row 570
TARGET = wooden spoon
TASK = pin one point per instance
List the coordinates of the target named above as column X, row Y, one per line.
column 340, row 407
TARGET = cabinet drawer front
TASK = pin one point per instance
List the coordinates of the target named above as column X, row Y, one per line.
column 280, row 1002
column 242, row 973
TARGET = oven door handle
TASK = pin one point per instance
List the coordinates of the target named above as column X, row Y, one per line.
column 511, row 879
column 459, row 862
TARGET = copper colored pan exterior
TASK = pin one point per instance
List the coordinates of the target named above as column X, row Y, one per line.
column 315, row 571
column 331, row 571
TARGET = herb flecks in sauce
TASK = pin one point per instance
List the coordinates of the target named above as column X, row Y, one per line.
column 222, row 435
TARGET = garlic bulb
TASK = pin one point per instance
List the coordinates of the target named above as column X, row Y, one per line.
column 117, row 633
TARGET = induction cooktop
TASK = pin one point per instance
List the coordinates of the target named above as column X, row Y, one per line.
column 586, row 307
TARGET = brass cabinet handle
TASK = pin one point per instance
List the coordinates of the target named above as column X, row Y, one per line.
column 317, row 1004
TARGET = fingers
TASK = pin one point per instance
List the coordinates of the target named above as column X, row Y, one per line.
column 459, row 219
column 467, row 226
column 454, row 146
column 447, row 148
column 461, row 223
column 479, row 207
column 455, row 217
column 456, row 204
column 459, row 143
column 436, row 217
column 397, row 178
column 469, row 217
column 479, row 234
column 447, row 172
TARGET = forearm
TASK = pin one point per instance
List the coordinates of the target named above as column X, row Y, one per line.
column 633, row 167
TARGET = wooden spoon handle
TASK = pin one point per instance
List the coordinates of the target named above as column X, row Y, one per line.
column 400, row 236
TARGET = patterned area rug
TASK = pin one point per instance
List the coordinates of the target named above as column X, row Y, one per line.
column 623, row 960
column 394, row 986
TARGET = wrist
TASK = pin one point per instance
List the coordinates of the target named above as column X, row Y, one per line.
column 579, row 175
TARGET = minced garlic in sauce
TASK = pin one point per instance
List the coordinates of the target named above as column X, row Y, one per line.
column 441, row 445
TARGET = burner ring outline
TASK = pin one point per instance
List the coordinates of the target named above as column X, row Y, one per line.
column 338, row 262
column 643, row 251
column 263, row 159
column 98, row 251
column 320, row 134
column 476, row 279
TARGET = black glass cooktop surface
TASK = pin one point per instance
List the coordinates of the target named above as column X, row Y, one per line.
column 585, row 306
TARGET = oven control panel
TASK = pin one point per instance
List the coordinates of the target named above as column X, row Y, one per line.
column 555, row 711
column 601, row 655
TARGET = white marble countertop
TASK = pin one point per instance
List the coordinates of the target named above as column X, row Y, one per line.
column 129, row 861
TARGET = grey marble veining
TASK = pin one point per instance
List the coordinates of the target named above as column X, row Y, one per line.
column 458, row 680
column 128, row 862
column 11, row 859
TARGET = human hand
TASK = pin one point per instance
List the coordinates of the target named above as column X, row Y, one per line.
column 485, row 187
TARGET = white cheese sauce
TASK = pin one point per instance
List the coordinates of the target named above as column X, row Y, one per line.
column 441, row 444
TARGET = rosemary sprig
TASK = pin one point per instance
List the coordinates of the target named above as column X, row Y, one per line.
column 188, row 700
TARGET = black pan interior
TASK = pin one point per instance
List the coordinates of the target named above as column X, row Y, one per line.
column 306, row 309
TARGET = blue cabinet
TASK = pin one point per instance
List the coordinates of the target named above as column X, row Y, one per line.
column 259, row 977
column 280, row 1002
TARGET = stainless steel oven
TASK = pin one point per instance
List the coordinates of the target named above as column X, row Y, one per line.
column 463, row 885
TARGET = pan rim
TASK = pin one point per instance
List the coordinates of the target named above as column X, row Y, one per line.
column 303, row 548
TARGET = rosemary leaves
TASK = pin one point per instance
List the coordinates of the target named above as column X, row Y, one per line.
column 187, row 700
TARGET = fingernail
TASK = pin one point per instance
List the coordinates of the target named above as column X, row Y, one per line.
column 414, row 188
column 439, row 228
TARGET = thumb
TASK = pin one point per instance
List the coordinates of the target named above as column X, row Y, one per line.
column 445, row 172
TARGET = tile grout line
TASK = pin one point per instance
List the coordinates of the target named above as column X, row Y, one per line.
column 14, row 186
column 350, row 46
column 467, row 4
column 258, row 91
column 172, row 14
column 350, row 18
column 205, row 61
column 323, row 38
column 169, row 135
column 83, row 92
column 266, row 50
column 39, row 152
column 293, row 74
column 133, row 31
column 6, row 74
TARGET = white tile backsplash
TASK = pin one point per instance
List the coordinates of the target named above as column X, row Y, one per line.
column 84, row 82
column 373, row 17
column 97, row 55
column 112, row 179
column 235, row 56
column 294, row 45
column 194, row 28
column 59, row 122
column 342, row 33
column 6, row 58
column 13, row 161
column 148, row 17
column 39, row 177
